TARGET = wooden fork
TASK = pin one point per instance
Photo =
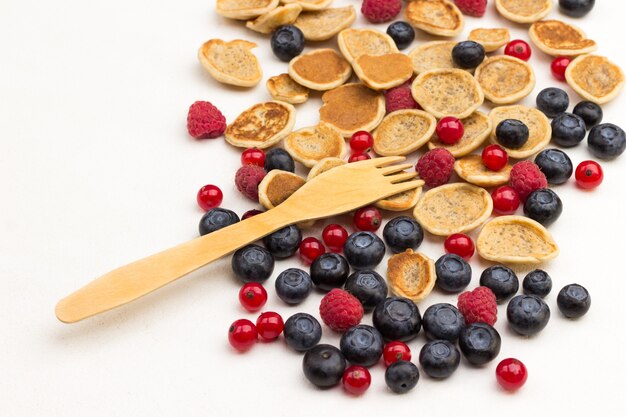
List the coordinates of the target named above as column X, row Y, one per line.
column 336, row 191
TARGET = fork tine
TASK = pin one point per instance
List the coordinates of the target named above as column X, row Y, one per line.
column 394, row 168
column 406, row 186
column 402, row 177
column 388, row 160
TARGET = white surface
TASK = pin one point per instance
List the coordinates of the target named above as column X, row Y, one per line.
column 97, row 170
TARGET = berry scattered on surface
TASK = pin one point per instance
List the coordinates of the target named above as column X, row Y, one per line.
column 453, row 273
column 367, row 219
column 494, row 157
column 468, row 54
column 607, row 141
column 358, row 157
column 555, row 164
column 252, row 296
column 501, row 280
column 205, row 121
column 269, row 325
column 552, row 101
column 361, row 141
column 590, row 112
column 475, row 8
column 478, row 305
column 364, row 250
column 287, row 42
column 293, row 285
column 568, row 130
column 450, row 130
column 251, row 213
column 356, row 380
column 242, row 334
column 512, row 133
column 526, row 177
column 589, row 175
column 209, row 196
column 323, row 365
column 543, row 206
column 576, row 8
column 573, row 301
column 400, row 98
column 511, row 374
column 340, row 310
column 362, row 345
column 435, row 167
column 252, row 263
column 402, row 34
column 460, row 244
column 302, row 331
column 518, row 49
column 480, row 343
column 402, row 376
column 335, row 236
column 402, row 233
column 397, row 318
column 247, row 179
column 216, row 219
column 396, row 351
column 380, row 11
column 329, row 270
column 505, row 200
column 439, row 358
column 538, row 283
column 368, row 287
column 253, row 156
column 310, row 249
column 278, row 158
column 558, row 67
column 284, row 242
column 527, row 314
column 443, row 321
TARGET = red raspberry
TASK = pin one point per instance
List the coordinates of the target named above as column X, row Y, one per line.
column 478, row 306
column 526, row 177
column 205, row 121
column 379, row 11
column 399, row 98
column 340, row 310
column 474, row 8
column 247, row 180
column 435, row 167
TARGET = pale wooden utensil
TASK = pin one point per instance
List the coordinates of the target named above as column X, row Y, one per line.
column 339, row 190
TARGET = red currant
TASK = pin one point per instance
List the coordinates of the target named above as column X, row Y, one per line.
column 361, row 141
column 252, row 296
column 589, row 175
column 250, row 213
column 209, row 197
column 495, row 157
column 269, row 325
column 359, row 156
column 558, row 67
column 356, row 379
column 450, row 130
column 460, row 244
column 242, row 334
column 310, row 249
column 519, row 49
column 253, row 156
column 396, row 351
column 511, row 374
column 505, row 200
column 334, row 237
column 368, row 219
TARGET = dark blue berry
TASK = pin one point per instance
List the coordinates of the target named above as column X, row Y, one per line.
column 576, row 8
column 253, row 263
column 402, row 376
column 555, row 164
column 362, row 345
column 443, row 321
column 323, row 365
column 552, row 101
column 468, row 54
column 439, row 358
column 278, row 158
column 287, row 42
column 302, row 331
column 607, row 141
column 512, row 133
column 538, row 283
column 397, row 318
column 590, row 112
column 543, row 206
column 368, row 287
column 284, row 242
column 216, row 219
column 402, row 233
column 402, row 34
column 568, row 130
column 364, row 250
column 453, row 273
column 293, row 285
column 329, row 271
column 480, row 343
column 527, row 314
column 574, row 301
column 501, row 280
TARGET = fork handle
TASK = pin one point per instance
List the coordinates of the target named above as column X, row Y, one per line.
column 138, row 278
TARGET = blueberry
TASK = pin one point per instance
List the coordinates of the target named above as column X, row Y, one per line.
column 439, row 358
column 480, row 343
column 607, row 141
column 402, row 34
column 576, row 8
column 397, row 318
column 590, row 112
column 552, row 101
column 501, row 280
column 402, row 233
column 527, row 314
column 443, row 321
column 253, row 263
column 568, row 130
column 293, row 285
column 284, row 242
column 468, row 54
column 574, row 301
column 364, row 250
column 402, row 376
column 216, row 219
column 512, row 133
column 543, row 206
column 279, row 159
column 555, row 164
column 329, row 271
column 538, row 283
column 362, row 345
column 287, row 42
column 323, row 365
column 302, row 331
column 453, row 273
column 368, row 287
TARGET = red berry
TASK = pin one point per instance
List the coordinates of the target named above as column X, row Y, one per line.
column 495, row 157
column 310, row 249
column 558, row 67
column 356, row 379
column 589, row 175
column 396, row 351
column 250, row 213
column 209, row 197
column 361, row 141
column 511, row 374
column 368, row 219
column 505, row 200
column 242, row 334
column 450, row 130
column 253, row 156
column 519, row 49
column 252, row 296
column 460, row 244
column 359, row 156
column 334, row 237
column 269, row 325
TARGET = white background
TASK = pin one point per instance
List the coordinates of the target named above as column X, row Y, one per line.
column 97, row 170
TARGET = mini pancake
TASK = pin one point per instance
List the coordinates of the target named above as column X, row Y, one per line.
column 244, row 9
column 277, row 186
column 447, row 92
column 490, row 39
column 432, row 55
column 283, row 88
column 516, row 240
column 453, row 208
column 310, row 4
column 231, row 62
column 324, row 24
column 558, row 38
column 382, row 72
column 477, row 128
column 356, row 42
column 472, row 169
column 403, row 131
column 411, row 275
column 400, row 202
column 272, row 20
column 595, row 78
column 324, row 165
column 321, row 69
column 539, row 129
column 312, row 144
column 505, row 79
column 352, row 107
column 261, row 125
column 437, row 17
column 524, row 11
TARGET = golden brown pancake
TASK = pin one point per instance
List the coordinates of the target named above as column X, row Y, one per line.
column 505, row 79
column 272, row 20
column 595, row 78
column 432, row 55
column 282, row 87
column 472, row 169
column 490, row 39
column 382, row 72
column 477, row 128
column 310, row 4
column 437, row 17
column 400, row 202
column 324, row 24
column 539, row 129
column 312, row 144
column 321, row 69
column 411, row 275
column 558, row 38
column 261, row 125
column 524, row 11
column 244, row 9
column 231, row 62
column 277, row 186
column 324, row 165
column 356, row 42
column 403, row 131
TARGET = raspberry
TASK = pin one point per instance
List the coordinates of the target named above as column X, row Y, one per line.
column 435, row 167
column 247, row 180
column 474, row 8
column 205, row 121
column 478, row 306
column 340, row 310
column 379, row 11
column 526, row 177
column 399, row 98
